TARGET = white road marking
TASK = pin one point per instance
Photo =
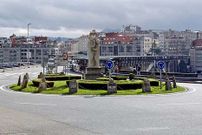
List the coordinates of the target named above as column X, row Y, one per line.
column 179, row 104
column 153, row 128
column 36, row 104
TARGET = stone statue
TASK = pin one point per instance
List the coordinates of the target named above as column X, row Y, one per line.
column 93, row 49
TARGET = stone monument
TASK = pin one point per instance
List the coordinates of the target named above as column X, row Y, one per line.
column 43, row 84
column 93, row 70
column 168, row 85
column 174, row 82
column 146, row 86
column 111, row 87
column 19, row 81
column 73, row 87
column 25, row 81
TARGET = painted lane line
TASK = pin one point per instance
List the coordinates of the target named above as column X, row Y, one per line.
column 35, row 104
column 178, row 104
column 153, row 128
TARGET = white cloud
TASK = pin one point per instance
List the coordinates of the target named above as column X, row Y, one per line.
column 63, row 32
column 55, row 17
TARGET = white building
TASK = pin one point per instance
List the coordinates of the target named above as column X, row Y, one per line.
column 146, row 45
column 196, row 56
column 80, row 45
column 176, row 42
column 38, row 54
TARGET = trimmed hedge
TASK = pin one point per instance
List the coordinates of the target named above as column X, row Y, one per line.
column 61, row 78
column 153, row 82
column 121, row 85
column 93, row 86
column 119, row 77
column 36, row 83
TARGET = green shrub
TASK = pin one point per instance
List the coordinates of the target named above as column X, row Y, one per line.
column 67, row 82
column 120, row 77
column 131, row 76
column 129, row 86
column 61, row 78
column 154, row 82
column 121, row 84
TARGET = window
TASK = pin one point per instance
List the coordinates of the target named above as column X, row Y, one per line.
column 104, row 49
column 110, row 49
column 129, row 48
column 121, row 48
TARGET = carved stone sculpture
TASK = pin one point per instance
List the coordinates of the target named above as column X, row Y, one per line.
column 25, row 81
column 93, row 49
column 168, row 84
column 19, row 81
column 43, row 84
column 174, row 82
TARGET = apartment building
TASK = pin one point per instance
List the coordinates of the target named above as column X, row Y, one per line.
column 119, row 44
column 176, row 42
column 79, row 46
column 196, row 56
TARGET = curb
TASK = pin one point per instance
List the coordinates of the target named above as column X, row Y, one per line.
column 187, row 91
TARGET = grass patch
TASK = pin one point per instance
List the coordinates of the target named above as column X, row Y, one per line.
column 61, row 88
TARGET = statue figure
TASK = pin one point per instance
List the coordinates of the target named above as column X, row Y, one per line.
column 93, row 49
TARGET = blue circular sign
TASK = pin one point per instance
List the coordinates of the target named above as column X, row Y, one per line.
column 161, row 64
column 109, row 64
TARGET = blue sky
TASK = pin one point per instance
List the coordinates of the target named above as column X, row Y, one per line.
column 72, row 18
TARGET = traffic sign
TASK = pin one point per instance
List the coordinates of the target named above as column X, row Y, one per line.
column 109, row 64
column 161, row 64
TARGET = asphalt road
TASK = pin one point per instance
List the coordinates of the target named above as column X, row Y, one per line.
column 36, row 114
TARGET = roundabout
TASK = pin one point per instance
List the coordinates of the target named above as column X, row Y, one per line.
column 124, row 85
column 24, row 113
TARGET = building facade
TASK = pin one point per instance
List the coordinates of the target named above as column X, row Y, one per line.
column 196, row 56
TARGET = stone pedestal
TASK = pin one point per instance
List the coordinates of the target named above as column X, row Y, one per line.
column 92, row 73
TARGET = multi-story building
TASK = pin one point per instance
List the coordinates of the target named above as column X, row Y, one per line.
column 146, row 45
column 196, row 56
column 79, row 46
column 19, row 49
column 119, row 44
column 176, row 42
column 20, row 54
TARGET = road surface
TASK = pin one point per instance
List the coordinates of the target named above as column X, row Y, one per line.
column 36, row 114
